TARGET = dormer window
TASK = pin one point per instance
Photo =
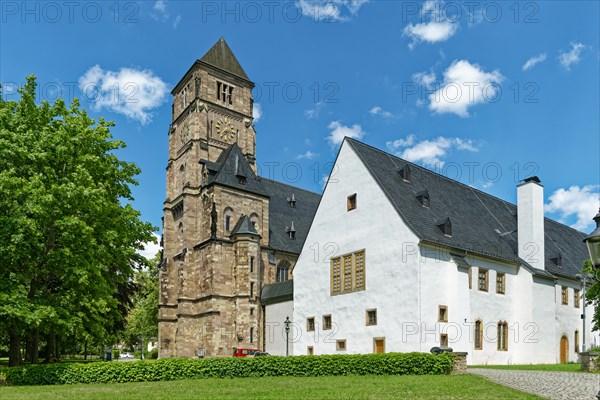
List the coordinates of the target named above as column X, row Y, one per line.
column 291, row 232
column 224, row 93
column 242, row 180
column 558, row 260
column 423, row 198
column 405, row 173
column 292, row 201
column 445, row 226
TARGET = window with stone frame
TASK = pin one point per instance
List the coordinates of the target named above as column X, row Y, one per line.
column 483, row 279
column 502, row 336
column 224, row 93
column 444, row 340
column 348, row 273
column 478, row 335
column 442, row 313
column 371, row 319
column 310, row 350
column 340, row 345
column 565, row 295
column 500, row 282
column 251, row 335
column 283, row 272
column 310, row 324
column 177, row 211
column 576, row 298
column 326, row 322
column 251, row 290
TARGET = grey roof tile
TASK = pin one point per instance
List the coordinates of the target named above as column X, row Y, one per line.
column 221, row 56
column 475, row 215
column 277, row 292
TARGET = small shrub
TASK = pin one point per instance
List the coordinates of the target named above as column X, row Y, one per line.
column 115, row 354
column 172, row 369
column 153, row 355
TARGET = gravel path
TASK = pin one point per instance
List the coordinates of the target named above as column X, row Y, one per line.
column 547, row 384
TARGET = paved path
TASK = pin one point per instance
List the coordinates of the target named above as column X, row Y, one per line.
column 547, row 384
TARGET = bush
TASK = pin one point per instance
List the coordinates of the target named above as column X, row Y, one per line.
column 153, row 355
column 172, row 369
column 115, row 354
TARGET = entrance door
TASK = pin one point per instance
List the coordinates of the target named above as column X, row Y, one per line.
column 564, row 349
column 379, row 345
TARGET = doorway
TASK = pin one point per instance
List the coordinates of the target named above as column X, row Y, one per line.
column 564, row 349
column 379, row 345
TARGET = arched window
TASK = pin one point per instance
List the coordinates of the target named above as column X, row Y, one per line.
column 502, row 336
column 228, row 223
column 255, row 221
column 478, row 335
column 283, row 272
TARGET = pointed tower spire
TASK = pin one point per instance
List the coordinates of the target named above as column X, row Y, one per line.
column 221, row 56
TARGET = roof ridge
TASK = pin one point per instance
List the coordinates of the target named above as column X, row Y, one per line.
column 290, row 186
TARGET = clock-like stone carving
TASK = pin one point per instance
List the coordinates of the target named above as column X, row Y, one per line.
column 225, row 129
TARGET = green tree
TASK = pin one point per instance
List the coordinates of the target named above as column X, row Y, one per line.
column 592, row 294
column 68, row 235
column 142, row 321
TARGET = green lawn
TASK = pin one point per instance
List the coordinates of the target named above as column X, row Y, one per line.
column 338, row 387
column 572, row 367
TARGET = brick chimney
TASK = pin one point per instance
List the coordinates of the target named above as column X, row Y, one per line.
column 530, row 221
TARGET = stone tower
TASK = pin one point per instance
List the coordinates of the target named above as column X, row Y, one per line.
column 226, row 232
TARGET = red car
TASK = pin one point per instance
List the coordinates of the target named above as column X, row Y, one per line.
column 244, row 352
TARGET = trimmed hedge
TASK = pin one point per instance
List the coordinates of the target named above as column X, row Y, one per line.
column 172, row 369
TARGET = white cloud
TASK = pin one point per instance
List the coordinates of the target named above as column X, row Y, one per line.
column 429, row 152
column 176, row 21
column 330, row 10
column 571, row 57
column 160, row 6
column 465, row 85
column 150, row 249
column 133, row 93
column 380, row 112
column 437, row 28
column 424, row 78
column 579, row 202
column 314, row 112
column 339, row 131
column 309, row 155
column 534, row 60
column 257, row 112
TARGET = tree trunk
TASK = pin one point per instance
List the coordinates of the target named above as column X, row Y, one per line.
column 35, row 346
column 85, row 350
column 56, row 349
column 50, row 347
column 14, row 353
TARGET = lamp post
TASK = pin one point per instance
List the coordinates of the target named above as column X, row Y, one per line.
column 287, row 323
column 584, row 280
column 593, row 245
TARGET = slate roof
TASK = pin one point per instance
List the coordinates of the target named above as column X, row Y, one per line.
column 281, row 214
column 277, row 292
column 475, row 216
column 229, row 167
column 221, row 56
column 244, row 226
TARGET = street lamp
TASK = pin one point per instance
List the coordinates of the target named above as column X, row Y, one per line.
column 287, row 323
column 593, row 245
column 584, row 278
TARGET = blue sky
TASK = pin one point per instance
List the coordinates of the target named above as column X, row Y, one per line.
column 486, row 92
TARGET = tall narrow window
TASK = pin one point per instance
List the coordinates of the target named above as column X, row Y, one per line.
column 576, row 298
column 444, row 339
column 576, row 341
column 310, row 350
column 326, row 322
column 283, row 272
column 351, row 204
column 218, row 90
column 478, row 335
column 336, row 276
column 483, row 280
column 347, row 273
column 442, row 314
column 565, row 295
column 251, row 290
column 500, row 282
column 251, row 263
column 359, row 270
column 502, row 338
column 470, row 277
column 310, row 324
column 251, row 335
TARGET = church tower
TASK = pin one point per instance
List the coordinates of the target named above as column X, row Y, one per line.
column 211, row 239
